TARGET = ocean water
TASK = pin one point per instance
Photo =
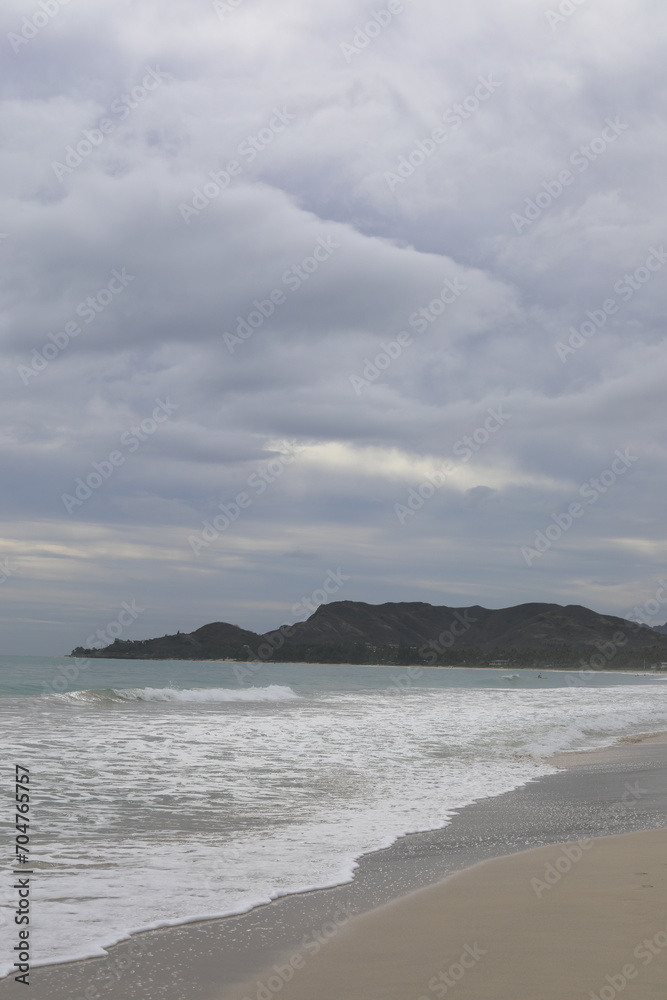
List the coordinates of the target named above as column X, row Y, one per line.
column 164, row 792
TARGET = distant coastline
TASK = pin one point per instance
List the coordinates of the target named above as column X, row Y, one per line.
column 416, row 634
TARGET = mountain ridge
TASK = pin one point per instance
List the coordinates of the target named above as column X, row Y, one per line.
column 354, row 631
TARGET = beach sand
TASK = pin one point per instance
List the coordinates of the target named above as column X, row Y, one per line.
column 567, row 921
column 413, row 909
column 585, row 919
column 615, row 754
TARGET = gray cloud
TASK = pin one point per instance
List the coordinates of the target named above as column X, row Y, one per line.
column 181, row 308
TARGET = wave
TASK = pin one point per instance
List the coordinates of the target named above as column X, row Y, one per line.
column 273, row 692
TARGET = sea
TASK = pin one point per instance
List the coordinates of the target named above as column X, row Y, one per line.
column 164, row 792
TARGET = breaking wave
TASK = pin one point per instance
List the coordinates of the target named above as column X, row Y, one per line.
column 274, row 692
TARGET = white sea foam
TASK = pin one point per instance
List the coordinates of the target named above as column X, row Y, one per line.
column 174, row 804
column 273, row 692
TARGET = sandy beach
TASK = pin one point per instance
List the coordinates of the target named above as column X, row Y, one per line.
column 482, row 908
column 581, row 919
column 576, row 920
column 616, row 754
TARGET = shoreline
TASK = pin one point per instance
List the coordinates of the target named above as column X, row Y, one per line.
column 489, row 930
column 546, row 810
column 420, row 665
column 614, row 753
column 567, row 920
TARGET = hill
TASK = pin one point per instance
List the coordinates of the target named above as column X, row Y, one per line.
column 536, row 626
column 218, row 640
column 414, row 632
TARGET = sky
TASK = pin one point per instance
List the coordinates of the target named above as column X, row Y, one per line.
column 307, row 302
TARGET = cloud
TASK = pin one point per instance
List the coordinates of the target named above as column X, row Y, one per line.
column 255, row 309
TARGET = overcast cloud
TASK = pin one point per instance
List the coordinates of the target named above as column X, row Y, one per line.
column 385, row 281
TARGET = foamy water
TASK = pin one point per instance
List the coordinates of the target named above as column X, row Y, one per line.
column 158, row 804
column 273, row 692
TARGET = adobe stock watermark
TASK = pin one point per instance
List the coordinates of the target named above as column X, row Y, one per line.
column 402, row 682
column 453, row 118
column 88, row 310
column 590, row 491
column 258, row 481
column 366, row 33
column 630, row 797
column 581, row 158
column 647, row 613
column 112, row 969
column 440, row 985
column 120, row 109
column 606, row 652
column 113, row 630
column 311, row 943
column 68, row 673
column 458, row 628
column 563, row 12
column 6, row 570
column 248, row 150
column 331, row 584
column 256, row 659
column 640, row 616
column 571, row 854
column 36, row 22
column 273, row 641
column 225, row 7
column 645, row 952
column 625, row 287
column 419, row 320
column 130, row 441
column 293, row 278
column 460, row 624
column 464, row 450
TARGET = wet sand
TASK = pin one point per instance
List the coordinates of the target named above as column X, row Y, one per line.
column 566, row 921
column 580, row 919
column 608, row 755
column 616, row 791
